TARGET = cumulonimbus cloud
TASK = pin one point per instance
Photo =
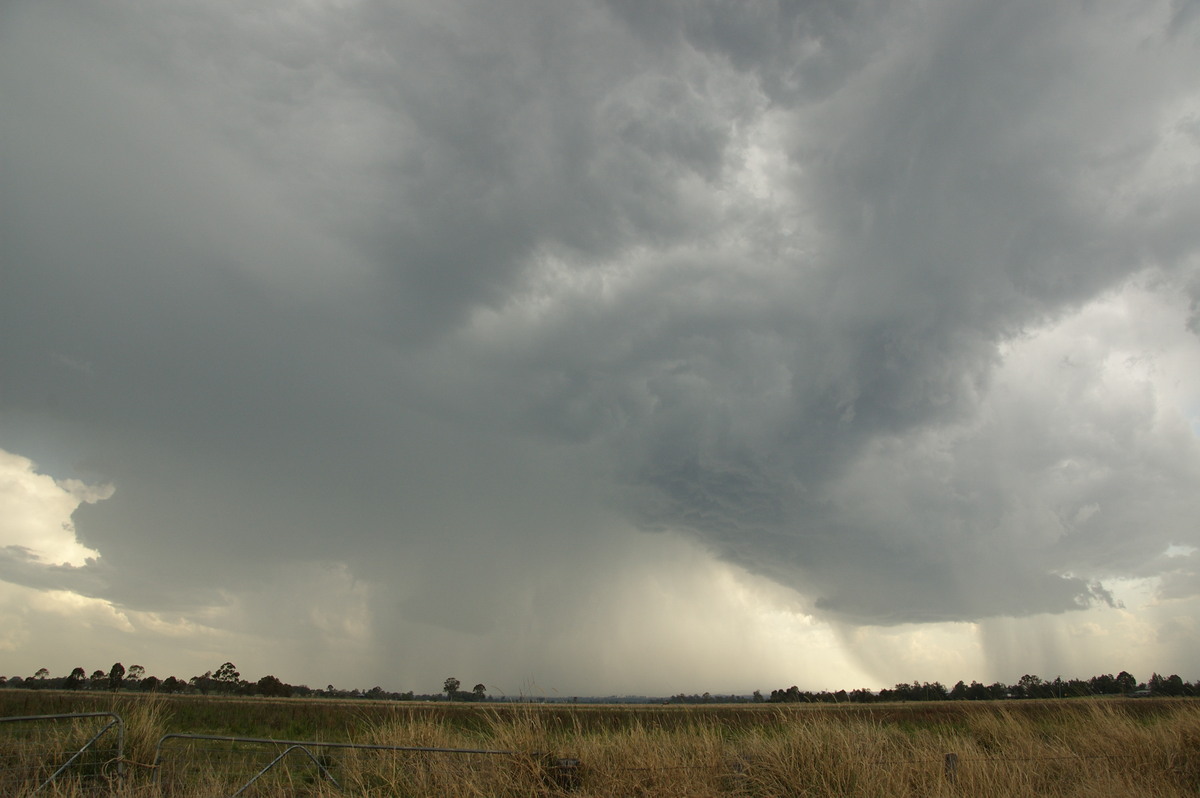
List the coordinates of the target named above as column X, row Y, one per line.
column 856, row 298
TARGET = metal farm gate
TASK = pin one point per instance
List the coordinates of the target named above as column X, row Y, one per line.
column 39, row 750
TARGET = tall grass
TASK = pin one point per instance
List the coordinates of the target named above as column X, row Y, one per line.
column 1057, row 749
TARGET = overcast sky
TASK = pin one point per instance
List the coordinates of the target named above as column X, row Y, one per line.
column 589, row 347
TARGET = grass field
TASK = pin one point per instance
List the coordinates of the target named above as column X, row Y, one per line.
column 1083, row 747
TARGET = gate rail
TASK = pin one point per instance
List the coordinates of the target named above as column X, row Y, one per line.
column 115, row 721
column 320, row 766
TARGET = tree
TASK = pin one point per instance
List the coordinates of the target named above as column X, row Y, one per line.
column 41, row 674
column 136, row 672
column 226, row 677
column 116, row 675
column 1166, row 685
column 1032, row 685
column 272, row 686
column 204, row 682
column 1078, row 687
column 76, row 679
column 98, row 679
column 791, row 695
column 480, row 692
column 451, row 687
column 977, row 692
column 1125, row 682
column 227, row 674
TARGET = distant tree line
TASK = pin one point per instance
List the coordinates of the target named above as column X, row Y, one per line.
column 709, row 698
column 1028, row 686
column 226, row 680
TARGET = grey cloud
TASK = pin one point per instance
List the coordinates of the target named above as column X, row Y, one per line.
column 1193, row 291
column 1183, row 15
column 1182, row 578
column 19, row 565
column 380, row 283
column 796, row 51
column 560, row 133
column 958, row 193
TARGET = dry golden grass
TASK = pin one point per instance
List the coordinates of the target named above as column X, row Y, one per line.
column 1077, row 748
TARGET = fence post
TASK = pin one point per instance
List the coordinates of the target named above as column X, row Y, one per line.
column 951, row 768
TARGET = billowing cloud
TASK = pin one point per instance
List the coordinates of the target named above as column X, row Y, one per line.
column 35, row 514
column 498, row 326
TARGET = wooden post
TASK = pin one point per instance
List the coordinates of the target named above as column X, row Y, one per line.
column 951, row 768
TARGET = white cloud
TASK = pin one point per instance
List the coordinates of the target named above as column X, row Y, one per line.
column 36, row 512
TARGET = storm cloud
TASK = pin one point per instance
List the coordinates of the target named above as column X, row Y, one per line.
column 361, row 323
